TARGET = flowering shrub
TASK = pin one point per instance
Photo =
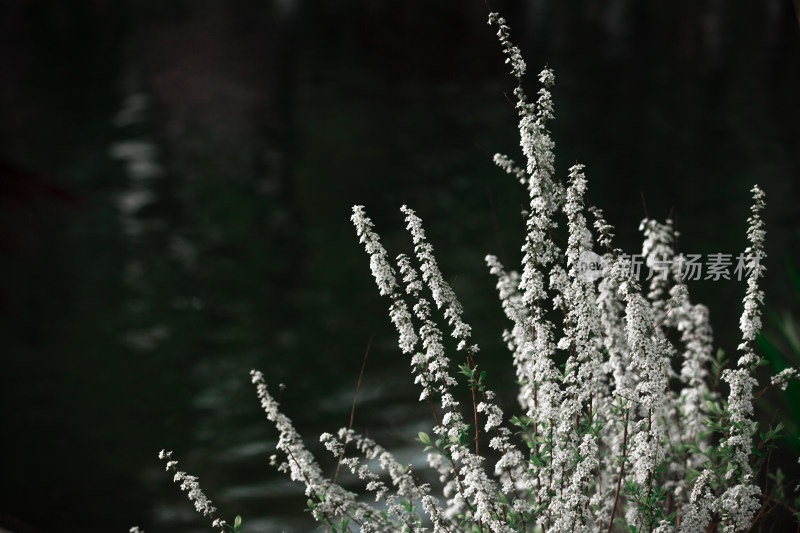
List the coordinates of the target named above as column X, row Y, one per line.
column 628, row 419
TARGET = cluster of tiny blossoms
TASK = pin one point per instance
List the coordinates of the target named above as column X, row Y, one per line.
column 610, row 435
column 190, row 485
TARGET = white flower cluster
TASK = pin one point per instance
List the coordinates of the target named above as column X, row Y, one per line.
column 612, row 436
column 382, row 271
column 657, row 249
column 513, row 53
column 384, row 276
column 509, row 166
column 190, row 485
column 783, row 378
column 442, row 293
column 740, row 502
column 697, row 515
column 750, row 323
column 696, row 335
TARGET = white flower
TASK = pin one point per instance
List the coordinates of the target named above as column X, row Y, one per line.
column 697, row 513
column 750, row 323
column 514, row 55
column 783, row 378
column 383, row 272
column 739, row 505
column 190, row 485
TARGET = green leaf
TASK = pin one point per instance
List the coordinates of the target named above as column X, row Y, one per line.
column 424, row 438
column 237, row 522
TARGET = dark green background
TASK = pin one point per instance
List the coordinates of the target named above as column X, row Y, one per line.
column 270, row 121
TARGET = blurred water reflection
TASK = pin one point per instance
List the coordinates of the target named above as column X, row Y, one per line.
column 217, row 148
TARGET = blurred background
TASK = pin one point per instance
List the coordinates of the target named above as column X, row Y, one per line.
column 176, row 180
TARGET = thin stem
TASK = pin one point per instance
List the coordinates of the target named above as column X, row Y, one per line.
column 353, row 408
column 650, row 477
column 621, row 472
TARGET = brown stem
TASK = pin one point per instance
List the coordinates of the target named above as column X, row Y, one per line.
column 621, row 472
column 353, row 408
column 765, row 389
column 650, row 485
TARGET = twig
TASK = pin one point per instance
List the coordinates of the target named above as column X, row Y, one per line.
column 648, row 510
column 353, row 408
column 621, row 472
